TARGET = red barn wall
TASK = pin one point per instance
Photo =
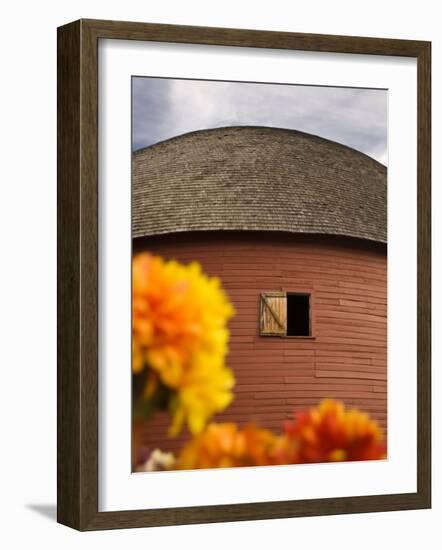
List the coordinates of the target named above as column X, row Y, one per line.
column 345, row 359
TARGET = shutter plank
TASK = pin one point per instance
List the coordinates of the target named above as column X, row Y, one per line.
column 273, row 314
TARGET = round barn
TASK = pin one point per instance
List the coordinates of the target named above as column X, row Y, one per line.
column 295, row 226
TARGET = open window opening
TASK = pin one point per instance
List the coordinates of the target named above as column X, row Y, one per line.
column 298, row 315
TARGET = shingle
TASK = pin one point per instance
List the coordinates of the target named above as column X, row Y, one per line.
column 257, row 178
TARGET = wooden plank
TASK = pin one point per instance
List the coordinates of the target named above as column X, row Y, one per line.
column 338, row 394
column 352, row 374
column 273, row 313
column 344, row 367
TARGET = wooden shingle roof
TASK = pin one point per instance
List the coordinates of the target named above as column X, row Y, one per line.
column 257, row 178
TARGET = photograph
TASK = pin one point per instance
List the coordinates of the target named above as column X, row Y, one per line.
column 259, row 274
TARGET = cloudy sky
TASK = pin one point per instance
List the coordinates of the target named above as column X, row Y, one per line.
column 163, row 108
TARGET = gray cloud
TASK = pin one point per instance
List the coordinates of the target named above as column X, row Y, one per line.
column 163, row 108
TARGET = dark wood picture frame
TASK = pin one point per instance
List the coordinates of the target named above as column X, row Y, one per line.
column 77, row 225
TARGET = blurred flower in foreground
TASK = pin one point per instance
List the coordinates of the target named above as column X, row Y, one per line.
column 326, row 433
column 330, row 433
column 157, row 461
column 179, row 340
column 226, row 445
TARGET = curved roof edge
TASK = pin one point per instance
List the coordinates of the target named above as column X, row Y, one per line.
column 250, row 127
column 232, row 229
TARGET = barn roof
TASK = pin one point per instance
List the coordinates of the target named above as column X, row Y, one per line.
column 257, row 178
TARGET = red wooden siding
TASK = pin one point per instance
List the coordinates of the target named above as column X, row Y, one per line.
column 346, row 356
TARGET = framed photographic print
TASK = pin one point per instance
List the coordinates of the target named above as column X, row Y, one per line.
column 243, row 274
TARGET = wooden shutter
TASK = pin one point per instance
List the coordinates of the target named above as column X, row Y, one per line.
column 273, row 314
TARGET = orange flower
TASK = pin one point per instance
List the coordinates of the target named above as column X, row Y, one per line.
column 226, row 445
column 179, row 332
column 329, row 433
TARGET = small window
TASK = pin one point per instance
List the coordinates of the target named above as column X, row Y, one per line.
column 285, row 314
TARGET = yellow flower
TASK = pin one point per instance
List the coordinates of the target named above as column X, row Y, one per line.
column 226, row 445
column 179, row 318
